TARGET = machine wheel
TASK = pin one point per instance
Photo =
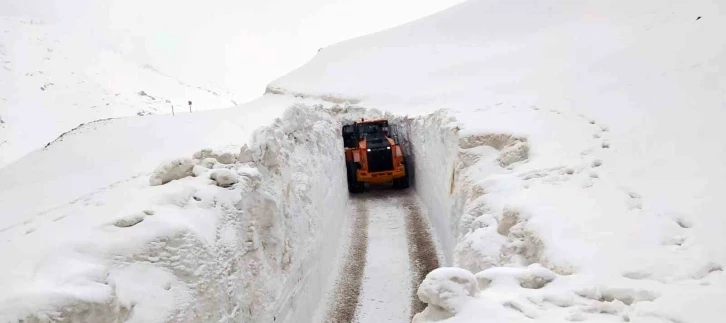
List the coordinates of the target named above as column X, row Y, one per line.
column 353, row 185
column 403, row 182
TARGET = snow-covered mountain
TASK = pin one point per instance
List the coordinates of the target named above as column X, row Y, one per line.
column 568, row 155
column 66, row 62
column 55, row 78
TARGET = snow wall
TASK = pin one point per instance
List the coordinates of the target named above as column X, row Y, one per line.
column 230, row 236
column 431, row 144
column 449, row 168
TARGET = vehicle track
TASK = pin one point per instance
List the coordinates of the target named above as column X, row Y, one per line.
column 390, row 252
column 348, row 285
column 421, row 250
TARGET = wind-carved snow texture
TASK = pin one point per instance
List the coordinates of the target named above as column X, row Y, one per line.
column 222, row 239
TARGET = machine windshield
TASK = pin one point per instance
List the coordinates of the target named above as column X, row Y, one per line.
column 371, row 130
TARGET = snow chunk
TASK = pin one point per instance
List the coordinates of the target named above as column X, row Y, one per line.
column 517, row 152
column 171, row 170
column 245, row 154
column 198, row 170
column 448, row 288
column 481, row 248
column 208, row 163
column 208, row 156
column 204, row 153
column 224, row 177
column 534, row 276
column 626, row 295
column 129, row 221
column 227, row 158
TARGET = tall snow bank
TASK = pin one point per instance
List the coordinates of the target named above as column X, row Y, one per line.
column 534, row 189
column 237, row 242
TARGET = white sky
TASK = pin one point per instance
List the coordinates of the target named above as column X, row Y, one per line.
column 239, row 45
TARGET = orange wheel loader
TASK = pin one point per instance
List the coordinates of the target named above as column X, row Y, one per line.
column 373, row 155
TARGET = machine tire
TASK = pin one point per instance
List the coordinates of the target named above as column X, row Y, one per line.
column 353, row 185
column 403, row 182
column 406, row 180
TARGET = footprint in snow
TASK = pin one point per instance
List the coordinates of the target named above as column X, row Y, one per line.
column 676, row 241
column 634, row 202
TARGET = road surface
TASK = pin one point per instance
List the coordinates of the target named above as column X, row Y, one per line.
column 390, row 250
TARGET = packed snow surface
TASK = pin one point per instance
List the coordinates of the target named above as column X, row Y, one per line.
column 385, row 289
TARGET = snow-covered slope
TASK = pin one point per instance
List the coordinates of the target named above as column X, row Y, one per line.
column 55, row 77
column 583, row 136
column 64, row 62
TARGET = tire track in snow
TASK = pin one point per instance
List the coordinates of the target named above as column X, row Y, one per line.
column 348, row 287
column 421, row 249
column 391, row 250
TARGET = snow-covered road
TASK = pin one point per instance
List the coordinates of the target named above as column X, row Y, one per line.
column 389, row 252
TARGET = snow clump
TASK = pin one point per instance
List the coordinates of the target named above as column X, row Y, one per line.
column 535, row 276
column 224, row 177
column 445, row 290
column 245, row 154
column 171, row 170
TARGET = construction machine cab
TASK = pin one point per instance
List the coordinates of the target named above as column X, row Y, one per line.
column 372, row 155
column 354, row 133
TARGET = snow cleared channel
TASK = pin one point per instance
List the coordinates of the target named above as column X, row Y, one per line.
column 247, row 231
column 390, row 250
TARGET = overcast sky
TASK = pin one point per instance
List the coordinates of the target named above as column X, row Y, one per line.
column 240, row 45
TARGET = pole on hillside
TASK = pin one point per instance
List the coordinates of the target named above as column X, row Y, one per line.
column 172, row 110
column 190, row 106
